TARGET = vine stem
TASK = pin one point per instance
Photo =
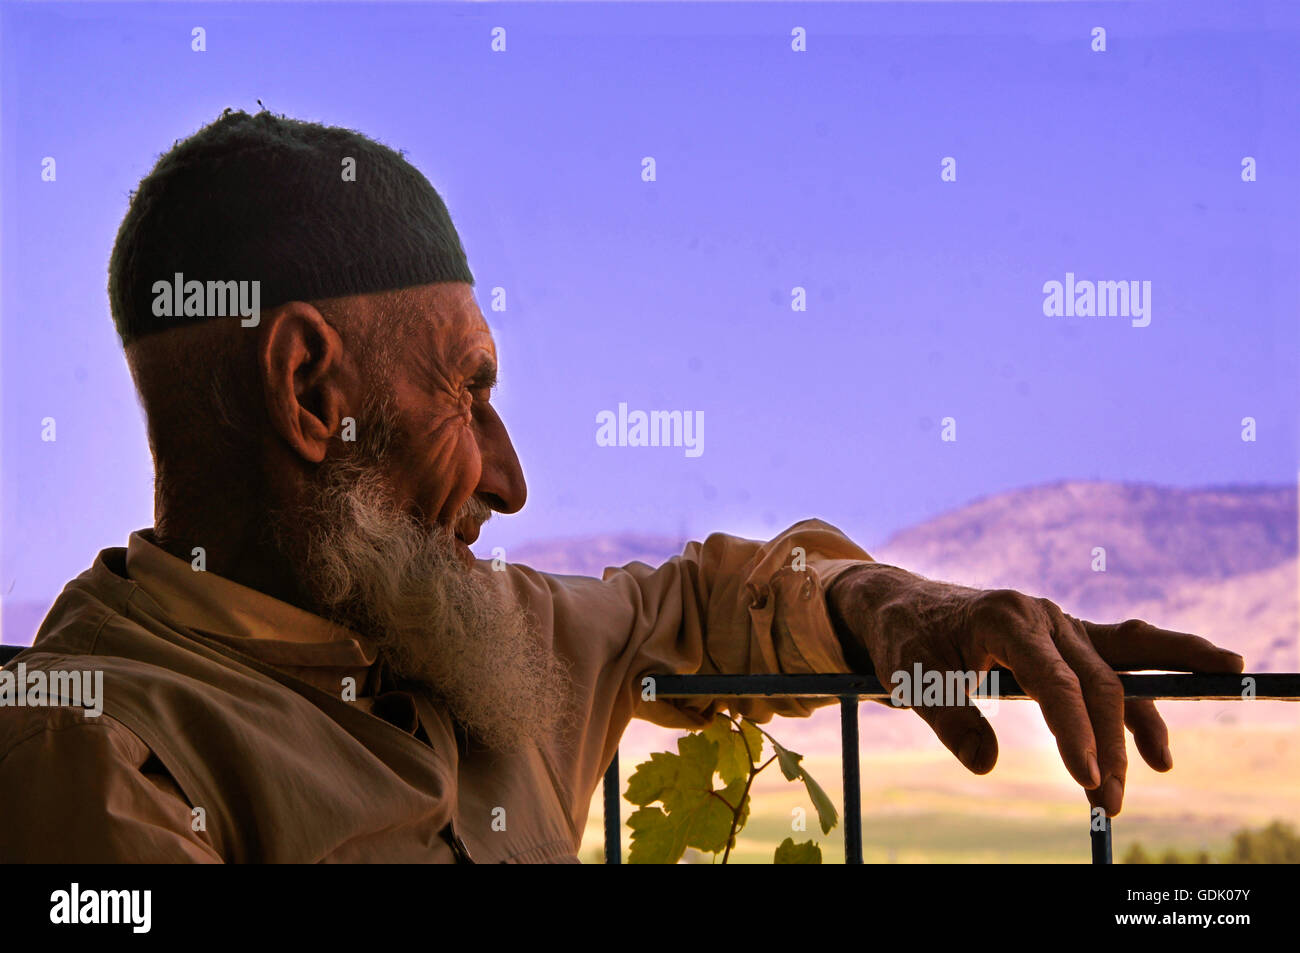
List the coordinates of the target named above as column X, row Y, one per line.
column 753, row 773
column 733, row 810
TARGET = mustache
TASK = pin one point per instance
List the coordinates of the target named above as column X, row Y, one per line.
column 473, row 511
column 476, row 510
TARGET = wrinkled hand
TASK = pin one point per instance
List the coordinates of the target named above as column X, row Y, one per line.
column 1066, row 665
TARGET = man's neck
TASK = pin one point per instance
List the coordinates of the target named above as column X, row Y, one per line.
column 238, row 549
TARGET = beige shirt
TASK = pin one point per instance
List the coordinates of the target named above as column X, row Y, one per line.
column 225, row 735
column 296, row 642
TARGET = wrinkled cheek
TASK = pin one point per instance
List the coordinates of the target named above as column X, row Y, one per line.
column 454, row 471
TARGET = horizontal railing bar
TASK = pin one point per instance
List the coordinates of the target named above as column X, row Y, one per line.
column 1267, row 686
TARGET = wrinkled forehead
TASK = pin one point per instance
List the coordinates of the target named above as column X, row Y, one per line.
column 439, row 323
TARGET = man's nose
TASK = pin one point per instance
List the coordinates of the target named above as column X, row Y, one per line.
column 501, row 484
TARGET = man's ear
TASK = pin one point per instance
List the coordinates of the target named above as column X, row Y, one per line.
column 300, row 363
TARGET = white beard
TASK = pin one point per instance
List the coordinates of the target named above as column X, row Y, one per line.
column 372, row 568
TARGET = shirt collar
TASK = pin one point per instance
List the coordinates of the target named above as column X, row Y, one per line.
column 214, row 604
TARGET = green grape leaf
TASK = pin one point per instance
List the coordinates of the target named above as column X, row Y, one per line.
column 733, row 758
column 703, row 819
column 789, row 762
column 694, row 813
column 651, row 778
column 755, row 739
column 656, row 839
column 707, row 824
column 691, row 815
column 793, row 770
column 697, row 759
column 827, row 816
column 791, row 853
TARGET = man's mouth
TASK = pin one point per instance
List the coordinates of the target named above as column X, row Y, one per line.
column 465, row 533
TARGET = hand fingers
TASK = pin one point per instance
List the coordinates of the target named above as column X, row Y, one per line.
column 1149, row 732
column 1136, row 645
column 1015, row 630
column 1104, row 696
column 962, row 729
column 964, row 732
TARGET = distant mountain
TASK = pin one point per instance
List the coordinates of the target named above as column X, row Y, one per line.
column 1255, row 614
column 590, row 555
column 1218, row 561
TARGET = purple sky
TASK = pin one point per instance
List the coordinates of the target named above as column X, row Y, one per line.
column 775, row 169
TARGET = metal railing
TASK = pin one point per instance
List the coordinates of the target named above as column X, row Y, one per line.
column 852, row 689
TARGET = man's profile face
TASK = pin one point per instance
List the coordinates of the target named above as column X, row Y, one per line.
column 379, row 539
column 452, row 445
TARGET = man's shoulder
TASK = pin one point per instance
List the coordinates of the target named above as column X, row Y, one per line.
column 49, row 732
column 41, row 687
column 101, row 648
column 103, row 620
column 87, row 603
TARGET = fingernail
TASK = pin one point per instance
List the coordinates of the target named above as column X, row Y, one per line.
column 1094, row 772
column 1113, row 795
column 1166, row 757
column 969, row 749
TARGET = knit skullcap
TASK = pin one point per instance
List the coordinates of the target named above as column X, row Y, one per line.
column 265, row 198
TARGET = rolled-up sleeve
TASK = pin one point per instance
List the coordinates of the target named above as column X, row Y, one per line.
column 724, row 606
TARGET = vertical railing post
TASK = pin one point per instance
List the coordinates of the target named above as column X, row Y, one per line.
column 613, row 819
column 1100, row 839
column 852, row 779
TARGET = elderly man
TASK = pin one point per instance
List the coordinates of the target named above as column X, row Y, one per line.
column 302, row 660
